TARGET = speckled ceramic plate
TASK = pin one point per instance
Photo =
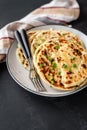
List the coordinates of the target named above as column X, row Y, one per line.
column 20, row 75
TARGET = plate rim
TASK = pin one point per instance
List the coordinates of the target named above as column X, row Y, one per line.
column 37, row 92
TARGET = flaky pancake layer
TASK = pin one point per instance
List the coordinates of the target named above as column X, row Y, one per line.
column 59, row 57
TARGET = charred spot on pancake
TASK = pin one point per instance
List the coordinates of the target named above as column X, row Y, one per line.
column 61, row 84
column 69, row 82
column 78, row 52
column 59, row 59
column 69, row 72
column 84, row 66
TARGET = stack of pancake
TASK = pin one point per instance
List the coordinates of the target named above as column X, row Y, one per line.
column 59, row 56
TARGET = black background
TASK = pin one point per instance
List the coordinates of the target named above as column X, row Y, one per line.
column 22, row 110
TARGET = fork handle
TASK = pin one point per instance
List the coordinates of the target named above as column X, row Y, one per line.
column 26, row 43
column 20, row 41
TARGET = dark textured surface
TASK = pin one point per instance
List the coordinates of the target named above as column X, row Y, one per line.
column 22, row 110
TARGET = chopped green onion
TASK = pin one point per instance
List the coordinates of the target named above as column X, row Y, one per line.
column 42, row 40
column 65, row 66
column 72, row 58
column 59, row 73
column 36, row 45
column 63, row 34
column 50, row 78
column 41, row 65
column 52, row 81
column 49, row 58
column 74, row 65
column 57, row 47
column 54, row 65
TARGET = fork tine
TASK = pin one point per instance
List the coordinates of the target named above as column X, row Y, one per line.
column 35, row 85
column 36, row 80
column 38, row 85
column 41, row 85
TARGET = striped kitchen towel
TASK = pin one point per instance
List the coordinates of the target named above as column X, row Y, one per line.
column 55, row 12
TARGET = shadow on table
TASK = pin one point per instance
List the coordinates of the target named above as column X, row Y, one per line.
column 77, row 99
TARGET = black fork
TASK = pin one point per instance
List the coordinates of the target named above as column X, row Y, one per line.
column 33, row 75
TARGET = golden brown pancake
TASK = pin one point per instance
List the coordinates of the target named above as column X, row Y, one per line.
column 21, row 58
column 62, row 64
column 38, row 37
column 60, row 58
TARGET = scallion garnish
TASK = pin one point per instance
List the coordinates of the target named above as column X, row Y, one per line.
column 50, row 58
column 72, row 58
column 57, row 47
column 42, row 40
column 74, row 65
column 63, row 34
column 65, row 66
column 52, row 81
column 54, row 65
column 59, row 73
column 41, row 65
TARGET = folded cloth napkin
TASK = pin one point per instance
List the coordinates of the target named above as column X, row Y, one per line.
column 55, row 12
